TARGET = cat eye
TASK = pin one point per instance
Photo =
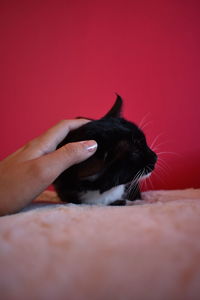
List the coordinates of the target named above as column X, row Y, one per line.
column 138, row 143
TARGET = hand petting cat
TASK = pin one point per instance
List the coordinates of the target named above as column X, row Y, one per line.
column 32, row 168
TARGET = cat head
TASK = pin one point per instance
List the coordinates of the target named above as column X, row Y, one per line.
column 122, row 154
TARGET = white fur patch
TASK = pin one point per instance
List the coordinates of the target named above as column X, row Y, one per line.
column 94, row 197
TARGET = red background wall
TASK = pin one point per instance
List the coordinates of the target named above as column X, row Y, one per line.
column 61, row 59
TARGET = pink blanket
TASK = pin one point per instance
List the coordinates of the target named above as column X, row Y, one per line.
column 149, row 251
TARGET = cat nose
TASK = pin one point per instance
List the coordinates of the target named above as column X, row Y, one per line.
column 152, row 156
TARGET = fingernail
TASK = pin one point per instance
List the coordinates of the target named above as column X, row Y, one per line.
column 90, row 145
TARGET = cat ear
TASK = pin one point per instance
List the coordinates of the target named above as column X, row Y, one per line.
column 116, row 110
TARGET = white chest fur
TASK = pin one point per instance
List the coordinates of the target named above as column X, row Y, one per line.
column 94, row 197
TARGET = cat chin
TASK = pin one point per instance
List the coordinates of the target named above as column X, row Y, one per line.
column 145, row 176
column 105, row 198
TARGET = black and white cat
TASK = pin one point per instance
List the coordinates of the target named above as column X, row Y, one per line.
column 111, row 176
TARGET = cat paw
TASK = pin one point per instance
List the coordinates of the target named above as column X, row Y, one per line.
column 118, row 203
column 135, row 202
column 127, row 202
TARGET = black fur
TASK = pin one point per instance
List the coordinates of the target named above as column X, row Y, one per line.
column 122, row 152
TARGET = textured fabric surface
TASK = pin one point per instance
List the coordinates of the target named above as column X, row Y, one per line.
column 149, row 251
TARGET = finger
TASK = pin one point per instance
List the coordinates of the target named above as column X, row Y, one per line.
column 53, row 136
column 53, row 164
column 57, row 133
column 48, row 141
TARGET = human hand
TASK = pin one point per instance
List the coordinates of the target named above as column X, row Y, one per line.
column 32, row 168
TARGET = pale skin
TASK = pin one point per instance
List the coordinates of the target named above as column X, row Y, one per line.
column 31, row 169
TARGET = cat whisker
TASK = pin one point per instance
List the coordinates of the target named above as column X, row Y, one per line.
column 134, row 190
column 142, row 122
column 145, row 125
column 162, row 163
column 134, row 184
column 156, row 147
column 143, row 183
column 151, row 183
column 159, row 175
column 162, row 168
column 156, row 139
column 169, row 152
column 146, row 182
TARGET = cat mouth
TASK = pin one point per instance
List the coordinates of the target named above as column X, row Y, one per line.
column 147, row 171
column 146, row 176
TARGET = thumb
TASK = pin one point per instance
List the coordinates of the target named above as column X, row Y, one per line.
column 54, row 163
